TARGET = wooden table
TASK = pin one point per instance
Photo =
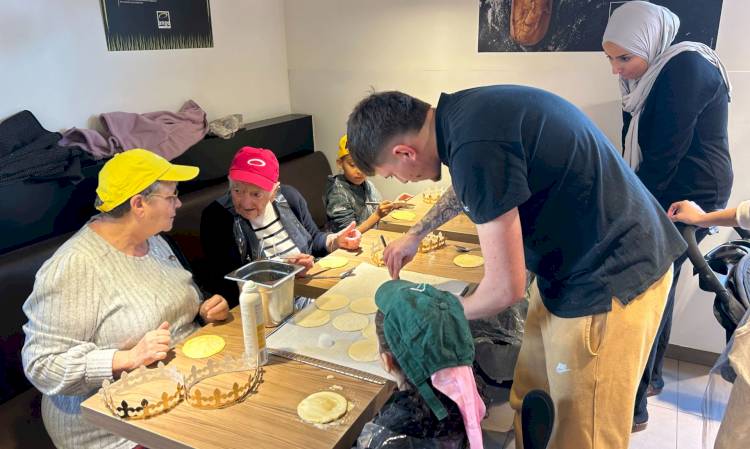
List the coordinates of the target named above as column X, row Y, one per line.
column 266, row 419
column 460, row 228
column 437, row 262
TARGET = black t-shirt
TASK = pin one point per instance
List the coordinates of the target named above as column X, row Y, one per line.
column 591, row 230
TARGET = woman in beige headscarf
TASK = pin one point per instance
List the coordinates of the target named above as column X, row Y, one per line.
column 674, row 101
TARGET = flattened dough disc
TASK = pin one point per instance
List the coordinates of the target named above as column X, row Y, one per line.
column 333, row 262
column 369, row 331
column 364, row 350
column 349, row 322
column 331, row 301
column 468, row 261
column 364, row 305
column 203, row 346
column 322, row 407
column 312, row 318
column 406, row 215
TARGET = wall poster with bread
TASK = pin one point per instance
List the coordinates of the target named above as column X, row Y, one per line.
column 578, row 25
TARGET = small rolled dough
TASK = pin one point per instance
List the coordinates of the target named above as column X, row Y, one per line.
column 203, row 346
column 364, row 350
column 331, row 301
column 312, row 318
column 364, row 305
column 322, row 407
column 468, row 261
column 349, row 322
column 333, row 262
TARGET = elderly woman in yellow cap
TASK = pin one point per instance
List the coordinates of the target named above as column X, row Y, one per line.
column 347, row 196
column 112, row 298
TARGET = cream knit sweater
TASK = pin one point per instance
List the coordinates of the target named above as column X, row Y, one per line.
column 90, row 300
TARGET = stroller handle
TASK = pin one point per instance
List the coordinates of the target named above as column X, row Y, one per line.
column 706, row 276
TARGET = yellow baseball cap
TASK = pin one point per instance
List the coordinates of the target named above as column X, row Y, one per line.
column 130, row 172
column 343, row 150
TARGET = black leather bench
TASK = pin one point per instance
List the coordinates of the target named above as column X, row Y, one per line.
column 290, row 137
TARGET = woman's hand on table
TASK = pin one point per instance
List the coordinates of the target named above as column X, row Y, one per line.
column 306, row 260
column 153, row 347
column 214, row 309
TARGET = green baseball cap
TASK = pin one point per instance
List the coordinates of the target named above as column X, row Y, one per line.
column 427, row 331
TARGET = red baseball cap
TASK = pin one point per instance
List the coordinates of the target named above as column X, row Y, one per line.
column 256, row 166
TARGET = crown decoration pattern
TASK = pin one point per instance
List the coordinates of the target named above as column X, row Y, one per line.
column 144, row 409
column 431, row 196
column 432, row 242
column 185, row 388
column 219, row 398
column 376, row 257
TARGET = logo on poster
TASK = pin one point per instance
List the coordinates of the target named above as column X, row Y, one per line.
column 163, row 21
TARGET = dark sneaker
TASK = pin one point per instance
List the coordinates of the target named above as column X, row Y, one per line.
column 639, row 426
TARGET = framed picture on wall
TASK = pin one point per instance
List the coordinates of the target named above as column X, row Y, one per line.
column 157, row 24
column 578, row 25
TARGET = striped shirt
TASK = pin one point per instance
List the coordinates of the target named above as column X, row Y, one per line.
column 271, row 234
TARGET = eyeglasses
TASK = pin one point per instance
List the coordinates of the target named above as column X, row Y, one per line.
column 171, row 198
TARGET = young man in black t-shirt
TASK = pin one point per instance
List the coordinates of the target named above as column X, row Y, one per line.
column 549, row 193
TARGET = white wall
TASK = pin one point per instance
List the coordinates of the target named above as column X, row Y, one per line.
column 339, row 49
column 54, row 62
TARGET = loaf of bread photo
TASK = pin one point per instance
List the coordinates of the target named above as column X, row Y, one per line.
column 529, row 20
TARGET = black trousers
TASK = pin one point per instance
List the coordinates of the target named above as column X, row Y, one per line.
column 652, row 375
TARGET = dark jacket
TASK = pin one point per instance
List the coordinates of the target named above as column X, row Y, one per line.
column 406, row 422
column 229, row 241
column 683, row 135
column 30, row 152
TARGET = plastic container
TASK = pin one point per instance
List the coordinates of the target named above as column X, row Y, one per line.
column 253, row 330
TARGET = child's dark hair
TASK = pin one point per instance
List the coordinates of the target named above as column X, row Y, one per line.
column 430, row 425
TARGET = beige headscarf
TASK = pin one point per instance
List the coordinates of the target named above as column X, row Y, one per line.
column 647, row 30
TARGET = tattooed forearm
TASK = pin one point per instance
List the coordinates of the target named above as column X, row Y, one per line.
column 446, row 208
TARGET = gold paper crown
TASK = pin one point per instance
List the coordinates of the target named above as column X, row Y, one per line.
column 377, row 258
column 431, row 196
column 218, row 398
column 432, row 242
column 185, row 388
column 111, row 392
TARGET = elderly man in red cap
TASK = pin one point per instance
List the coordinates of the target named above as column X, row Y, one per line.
column 240, row 227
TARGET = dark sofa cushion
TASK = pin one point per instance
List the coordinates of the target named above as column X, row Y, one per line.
column 308, row 175
column 17, row 269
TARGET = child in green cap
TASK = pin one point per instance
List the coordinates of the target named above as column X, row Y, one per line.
column 426, row 345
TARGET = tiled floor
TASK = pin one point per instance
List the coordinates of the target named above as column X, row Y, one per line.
column 675, row 415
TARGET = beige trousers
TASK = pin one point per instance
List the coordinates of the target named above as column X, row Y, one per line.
column 591, row 367
column 734, row 432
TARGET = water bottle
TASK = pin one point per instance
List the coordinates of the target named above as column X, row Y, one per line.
column 253, row 328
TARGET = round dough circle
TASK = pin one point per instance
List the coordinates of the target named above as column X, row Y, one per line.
column 333, row 262
column 322, row 407
column 349, row 322
column 203, row 346
column 369, row 331
column 406, row 215
column 332, row 302
column 312, row 318
column 364, row 350
column 468, row 261
column 364, row 305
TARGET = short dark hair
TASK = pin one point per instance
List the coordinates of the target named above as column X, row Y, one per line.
column 377, row 119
